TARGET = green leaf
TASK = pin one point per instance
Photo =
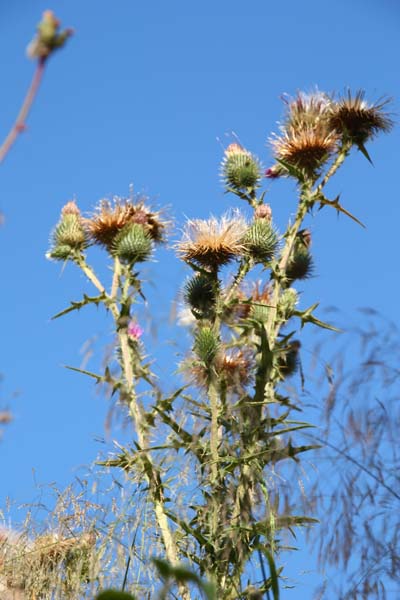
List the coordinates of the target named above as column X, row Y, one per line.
column 292, row 170
column 272, row 570
column 306, row 316
column 81, row 303
column 98, row 378
column 114, row 595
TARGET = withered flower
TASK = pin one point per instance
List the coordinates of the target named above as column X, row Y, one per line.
column 357, row 120
column 254, row 301
column 233, row 367
column 111, row 217
column 214, row 242
column 307, row 149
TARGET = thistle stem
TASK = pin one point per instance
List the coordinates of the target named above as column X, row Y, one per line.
column 19, row 124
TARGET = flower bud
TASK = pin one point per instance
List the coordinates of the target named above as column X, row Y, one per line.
column 69, row 237
column 200, row 295
column 133, row 244
column 263, row 211
column 240, row 169
column 206, row 345
column 261, row 241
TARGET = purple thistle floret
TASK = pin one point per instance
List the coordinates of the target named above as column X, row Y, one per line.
column 134, row 330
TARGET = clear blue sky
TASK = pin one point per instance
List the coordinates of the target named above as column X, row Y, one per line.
column 141, row 94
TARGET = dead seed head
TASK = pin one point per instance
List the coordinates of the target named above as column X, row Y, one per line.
column 111, row 217
column 214, row 242
column 306, row 148
column 353, row 117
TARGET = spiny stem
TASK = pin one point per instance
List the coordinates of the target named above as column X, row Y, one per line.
column 19, row 124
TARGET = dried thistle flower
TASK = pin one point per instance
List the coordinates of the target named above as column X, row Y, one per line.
column 214, row 242
column 358, row 121
column 111, row 217
column 306, row 149
column 233, row 367
column 69, row 237
column 240, row 170
column 306, row 140
column 255, row 301
column 307, row 111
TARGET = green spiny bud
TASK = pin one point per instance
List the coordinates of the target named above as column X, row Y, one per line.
column 240, row 169
column 69, row 237
column 287, row 303
column 301, row 264
column 261, row 241
column 200, row 295
column 133, row 244
column 206, row 345
column 288, row 360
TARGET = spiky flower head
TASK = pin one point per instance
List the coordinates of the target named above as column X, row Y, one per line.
column 306, row 148
column 356, row 120
column 288, row 359
column 306, row 141
column 111, row 217
column 233, row 367
column 214, row 242
column 300, row 265
column 132, row 244
column 240, row 170
column 206, row 345
column 69, row 237
column 200, row 294
column 307, row 111
column 261, row 240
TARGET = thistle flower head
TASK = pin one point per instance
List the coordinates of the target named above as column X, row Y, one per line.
column 111, row 217
column 305, row 148
column 69, row 237
column 305, row 141
column 261, row 240
column 132, row 244
column 233, row 367
column 255, row 301
column 134, row 330
column 306, row 111
column 358, row 121
column 240, row 170
column 214, row 242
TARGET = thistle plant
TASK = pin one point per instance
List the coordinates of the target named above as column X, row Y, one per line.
column 231, row 423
